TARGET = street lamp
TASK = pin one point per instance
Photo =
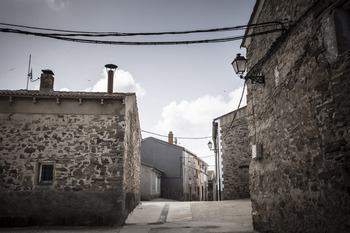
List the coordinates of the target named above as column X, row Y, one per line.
column 240, row 65
column 210, row 145
column 217, row 170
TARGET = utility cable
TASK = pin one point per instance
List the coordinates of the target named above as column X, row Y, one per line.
column 96, row 34
column 234, row 116
column 73, row 36
column 165, row 136
column 80, row 40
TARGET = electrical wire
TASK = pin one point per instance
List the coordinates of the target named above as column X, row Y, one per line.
column 95, row 34
column 207, row 156
column 81, row 40
column 72, row 37
column 165, row 136
column 234, row 116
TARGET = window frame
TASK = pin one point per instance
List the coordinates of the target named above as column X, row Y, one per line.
column 40, row 173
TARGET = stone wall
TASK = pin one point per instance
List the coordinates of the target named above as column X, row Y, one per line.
column 212, row 186
column 88, row 153
column 132, row 155
column 301, row 116
column 236, row 155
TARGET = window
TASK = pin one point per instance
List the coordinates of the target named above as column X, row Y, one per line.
column 46, row 173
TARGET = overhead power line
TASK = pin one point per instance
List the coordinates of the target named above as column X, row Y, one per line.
column 71, row 36
column 165, row 136
column 234, row 116
column 96, row 34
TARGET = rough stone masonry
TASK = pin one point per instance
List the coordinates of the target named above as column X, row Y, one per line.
column 302, row 119
column 92, row 143
column 236, row 154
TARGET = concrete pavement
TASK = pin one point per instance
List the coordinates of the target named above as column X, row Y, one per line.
column 162, row 215
column 186, row 217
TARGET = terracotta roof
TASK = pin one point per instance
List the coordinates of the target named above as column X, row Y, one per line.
column 63, row 94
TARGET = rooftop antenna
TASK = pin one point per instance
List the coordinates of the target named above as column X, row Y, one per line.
column 29, row 75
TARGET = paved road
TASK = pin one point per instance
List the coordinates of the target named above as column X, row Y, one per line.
column 166, row 216
column 186, row 217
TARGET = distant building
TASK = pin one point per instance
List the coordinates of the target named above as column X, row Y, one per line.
column 201, row 177
column 150, row 182
column 181, row 179
column 68, row 158
column 235, row 153
column 212, row 190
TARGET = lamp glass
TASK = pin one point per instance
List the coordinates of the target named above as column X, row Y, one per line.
column 210, row 145
column 239, row 64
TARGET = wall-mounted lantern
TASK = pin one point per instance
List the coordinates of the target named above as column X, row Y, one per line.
column 210, row 146
column 240, row 65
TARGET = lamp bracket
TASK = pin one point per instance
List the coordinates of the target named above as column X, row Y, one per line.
column 255, row 79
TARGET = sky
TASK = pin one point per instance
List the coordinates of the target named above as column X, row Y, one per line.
column 179, row 88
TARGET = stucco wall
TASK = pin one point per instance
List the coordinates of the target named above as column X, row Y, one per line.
column 168, row 158
column 236, row 155
column 88, row 154
column 150, row 183
column 302, row 118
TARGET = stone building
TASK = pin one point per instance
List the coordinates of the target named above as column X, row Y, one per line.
column 150, row 184
column 68, row 158
column 180, row 179
column 201, row 177
column 300, row 116
column 235, row 154
column 212, row 190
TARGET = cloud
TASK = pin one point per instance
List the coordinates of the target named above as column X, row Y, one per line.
column 194, row 119
column 123, row 82
column 64, row 89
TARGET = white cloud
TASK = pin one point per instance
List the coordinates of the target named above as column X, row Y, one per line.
column 122, row 82
column 64, row 89
column 194, row 119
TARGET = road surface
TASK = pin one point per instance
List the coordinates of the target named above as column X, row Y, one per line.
column 167, row 216
column 186, row 217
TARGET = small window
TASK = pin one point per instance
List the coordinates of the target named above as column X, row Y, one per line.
column 46, row 173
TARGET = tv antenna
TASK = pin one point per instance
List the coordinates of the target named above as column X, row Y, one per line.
column 30, row 72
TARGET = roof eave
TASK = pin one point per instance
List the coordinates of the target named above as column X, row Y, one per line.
column 253, row 19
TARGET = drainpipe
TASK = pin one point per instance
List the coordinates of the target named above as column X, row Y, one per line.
column 217, row 158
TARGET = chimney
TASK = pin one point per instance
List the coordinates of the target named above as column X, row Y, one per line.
column 170, row 137
column 110, row 70
column 46, row 81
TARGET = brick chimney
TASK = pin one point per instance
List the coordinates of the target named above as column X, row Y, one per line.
column 46, row 81
column 110, row 70
column 171, row 137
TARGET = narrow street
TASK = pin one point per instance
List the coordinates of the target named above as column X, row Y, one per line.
column 169, row 216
